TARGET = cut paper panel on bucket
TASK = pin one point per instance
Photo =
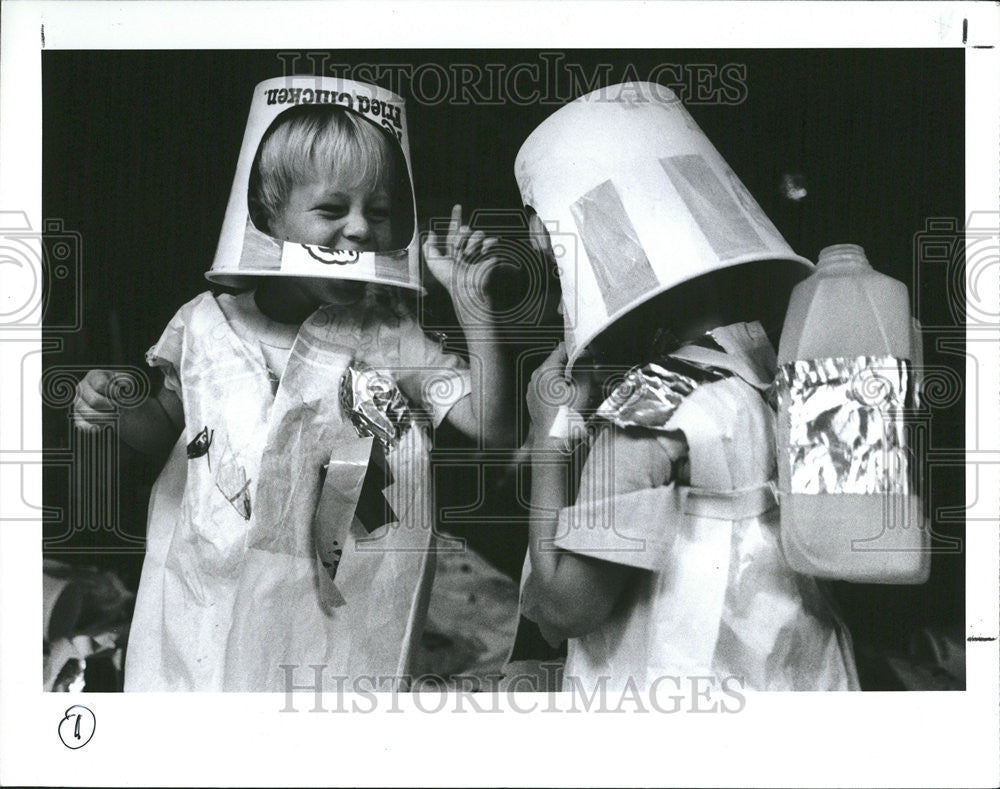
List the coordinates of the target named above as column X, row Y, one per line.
column 260, row 251
column 713, row 208
column 619, row 262
column 392, row 267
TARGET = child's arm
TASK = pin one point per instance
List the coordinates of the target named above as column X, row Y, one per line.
column 570, row 594
column 567, row 594
column 463, row 270
column 151, row 427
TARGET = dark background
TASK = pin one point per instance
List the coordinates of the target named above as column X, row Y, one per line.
column 140, row 149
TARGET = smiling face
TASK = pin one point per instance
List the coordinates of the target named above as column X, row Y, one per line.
column 326, row 176
column 331, row 211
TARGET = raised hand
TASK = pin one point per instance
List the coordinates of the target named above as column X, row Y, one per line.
column 462, row 265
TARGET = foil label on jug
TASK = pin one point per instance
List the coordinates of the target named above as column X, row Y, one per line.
column 847, row 428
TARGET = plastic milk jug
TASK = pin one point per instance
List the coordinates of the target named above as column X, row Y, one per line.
column 848, row 357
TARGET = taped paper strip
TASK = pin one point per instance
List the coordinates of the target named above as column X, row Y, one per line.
column 716, row 212
column 619, row 262
column 338, row 499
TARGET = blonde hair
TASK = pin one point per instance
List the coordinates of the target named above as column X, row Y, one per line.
column 314, row 138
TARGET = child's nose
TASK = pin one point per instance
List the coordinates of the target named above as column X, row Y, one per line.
column 357, row 226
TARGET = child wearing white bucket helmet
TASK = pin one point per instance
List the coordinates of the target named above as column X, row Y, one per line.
column 665, row 563
column 292, row 525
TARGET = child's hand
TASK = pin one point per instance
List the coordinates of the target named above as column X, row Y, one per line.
column 550, row 390
column 94, row 399
column 463, row 267
column 150, row 425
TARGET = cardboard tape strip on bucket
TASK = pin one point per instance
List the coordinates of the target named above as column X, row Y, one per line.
column 247, row 251
column 637, row 200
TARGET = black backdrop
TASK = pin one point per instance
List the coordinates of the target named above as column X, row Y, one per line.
column 140, row 147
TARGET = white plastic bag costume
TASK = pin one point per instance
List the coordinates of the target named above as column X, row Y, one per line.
column 717, row 597
column 636, row 201
column 282, row 427
column 230, row 589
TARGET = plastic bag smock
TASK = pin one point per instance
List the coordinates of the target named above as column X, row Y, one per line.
column 266, row 473
column 715, row 596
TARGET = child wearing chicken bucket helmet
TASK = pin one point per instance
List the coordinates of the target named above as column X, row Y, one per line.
column 665, row 563
column 292, row 524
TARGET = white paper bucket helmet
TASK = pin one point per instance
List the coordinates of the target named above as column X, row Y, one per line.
column 366, row 124
column 637, row 201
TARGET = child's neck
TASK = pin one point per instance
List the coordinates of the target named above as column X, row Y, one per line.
column 282, row 304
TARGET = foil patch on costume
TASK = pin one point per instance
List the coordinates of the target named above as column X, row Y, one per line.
column 374, row 404
column 648, row 397
column 846, row 419
column 651, row 393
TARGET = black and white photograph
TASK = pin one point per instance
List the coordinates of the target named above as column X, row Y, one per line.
column 601, row 394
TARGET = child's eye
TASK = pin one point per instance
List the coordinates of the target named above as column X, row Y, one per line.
column 332, row 210
column 378, row 213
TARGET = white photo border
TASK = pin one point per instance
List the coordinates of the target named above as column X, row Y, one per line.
column 902, row 739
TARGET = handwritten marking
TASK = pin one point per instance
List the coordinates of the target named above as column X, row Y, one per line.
column 77, row 727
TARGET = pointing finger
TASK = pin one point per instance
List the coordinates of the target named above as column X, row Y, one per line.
column 453, row 227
